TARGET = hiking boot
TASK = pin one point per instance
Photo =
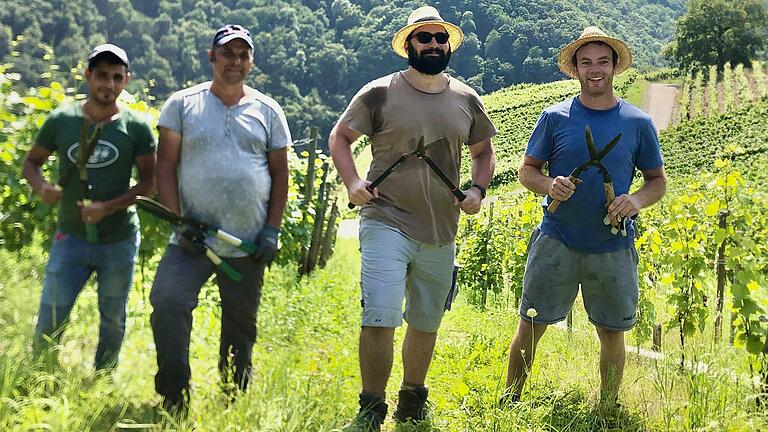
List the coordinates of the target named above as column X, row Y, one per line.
column 177, row 405
column 412, row 405
column 372, row 413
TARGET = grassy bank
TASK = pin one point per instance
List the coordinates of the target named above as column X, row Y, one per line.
column 306, row 376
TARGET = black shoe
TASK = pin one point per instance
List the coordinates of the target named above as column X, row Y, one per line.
column 412, row 405
column 177, row 405
column 508, row 399
column 372, row 413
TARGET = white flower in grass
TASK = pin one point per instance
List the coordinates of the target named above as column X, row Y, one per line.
column 531, row 313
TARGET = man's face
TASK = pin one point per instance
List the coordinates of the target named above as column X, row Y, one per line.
column 594, row 64
column 428, row 56
column 106, row 82
column 232, row 61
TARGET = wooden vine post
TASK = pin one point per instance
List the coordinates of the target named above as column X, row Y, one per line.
column 720, row 263
column 488, row 234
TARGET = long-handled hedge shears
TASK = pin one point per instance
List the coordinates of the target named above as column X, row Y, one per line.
column 420, row 153
column 595, row 156
column 195, row 232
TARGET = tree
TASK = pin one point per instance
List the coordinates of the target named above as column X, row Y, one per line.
column 714, row 32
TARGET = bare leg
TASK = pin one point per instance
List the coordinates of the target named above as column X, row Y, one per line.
column 612, row 357
column 376, row 358
column 521, row 354
column 417, row 355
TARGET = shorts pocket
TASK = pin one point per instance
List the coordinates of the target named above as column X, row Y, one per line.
column 454, row 291
column 534, row 236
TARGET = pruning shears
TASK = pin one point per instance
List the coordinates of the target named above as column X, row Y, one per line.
column 196, row 232
column 420, row 153
column 595, row 156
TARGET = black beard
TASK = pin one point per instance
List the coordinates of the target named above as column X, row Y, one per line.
column 428, row 65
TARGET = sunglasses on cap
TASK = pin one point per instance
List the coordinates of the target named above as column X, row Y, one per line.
column 426, row 37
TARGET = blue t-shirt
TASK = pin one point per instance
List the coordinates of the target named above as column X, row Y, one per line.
column 559, row 138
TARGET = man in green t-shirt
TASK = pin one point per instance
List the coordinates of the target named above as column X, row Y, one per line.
column 98, row 143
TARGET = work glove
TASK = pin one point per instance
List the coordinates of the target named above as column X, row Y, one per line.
column 266, row 245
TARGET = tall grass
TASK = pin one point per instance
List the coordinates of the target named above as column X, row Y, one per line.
column 306, row 375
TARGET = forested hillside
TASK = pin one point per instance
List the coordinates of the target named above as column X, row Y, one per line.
column 312, row 55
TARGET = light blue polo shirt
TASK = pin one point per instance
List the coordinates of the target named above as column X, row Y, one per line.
column 223, row 172
column 559, row 138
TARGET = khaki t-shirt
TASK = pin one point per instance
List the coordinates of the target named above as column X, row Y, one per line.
column 395, row 115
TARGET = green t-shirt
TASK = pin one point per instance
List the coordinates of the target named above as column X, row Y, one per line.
column 109, row 166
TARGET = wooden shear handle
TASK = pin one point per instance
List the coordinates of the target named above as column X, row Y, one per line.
column 610, row 196
column 552, row 207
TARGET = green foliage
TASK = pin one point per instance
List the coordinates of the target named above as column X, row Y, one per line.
column 685, row 262
column 493, row 246
column 677, row 238
column 740, row 134
column 714, row 32
column 20, row 117
column 22, row 214
column 306, row 371
column 311, row 55
column 299, row 216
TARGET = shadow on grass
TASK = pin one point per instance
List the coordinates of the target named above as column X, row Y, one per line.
column 573, row 411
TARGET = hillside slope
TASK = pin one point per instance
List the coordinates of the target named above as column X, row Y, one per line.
column 313, row 55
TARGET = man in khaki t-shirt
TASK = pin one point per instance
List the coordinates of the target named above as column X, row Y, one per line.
column 409, row 221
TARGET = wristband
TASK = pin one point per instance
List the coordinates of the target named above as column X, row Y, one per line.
column 481, row 189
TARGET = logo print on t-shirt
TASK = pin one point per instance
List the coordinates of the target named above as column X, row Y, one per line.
column 103, row 155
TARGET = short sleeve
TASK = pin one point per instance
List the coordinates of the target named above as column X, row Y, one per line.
column 170, row 116
column 482, row 127
column 358, row 115
column 144, row 138
column 648, row 154
column 47, row 133
column 540, row 143
column 279, row 133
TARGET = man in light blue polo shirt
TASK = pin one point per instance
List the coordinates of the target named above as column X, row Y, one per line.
column 223, row 161
column 573, row 247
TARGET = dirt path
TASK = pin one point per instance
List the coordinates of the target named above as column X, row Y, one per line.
column 660, row 103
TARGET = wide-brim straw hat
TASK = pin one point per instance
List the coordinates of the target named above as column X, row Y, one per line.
column 593, row 34
column 423, row 16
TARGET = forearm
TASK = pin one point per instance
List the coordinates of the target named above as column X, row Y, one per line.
column 483, row 167
column 125, row 200
column 34, row 175
column 278, row 196
column 534, row 179
column 651, row 192
column 168, row 187
column 341, row 153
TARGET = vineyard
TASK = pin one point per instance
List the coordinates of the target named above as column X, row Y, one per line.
column 709, row 93
column 703, row 249
column 703, row 292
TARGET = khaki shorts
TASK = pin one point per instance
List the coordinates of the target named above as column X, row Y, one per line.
column 397, row 267
column 553, row 274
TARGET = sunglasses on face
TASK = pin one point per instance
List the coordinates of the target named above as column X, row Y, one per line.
column 426, row 37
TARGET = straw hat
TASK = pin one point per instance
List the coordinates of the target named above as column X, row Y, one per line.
column 423, row 16
column 593, row 34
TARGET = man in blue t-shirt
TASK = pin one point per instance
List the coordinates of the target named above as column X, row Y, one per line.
column 573, row 246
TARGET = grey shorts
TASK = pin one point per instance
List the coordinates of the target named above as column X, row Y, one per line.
column 397, row 267
column 553, row 274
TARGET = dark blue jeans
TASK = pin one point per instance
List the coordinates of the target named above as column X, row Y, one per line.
column 175, row 291
column 71, row 262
